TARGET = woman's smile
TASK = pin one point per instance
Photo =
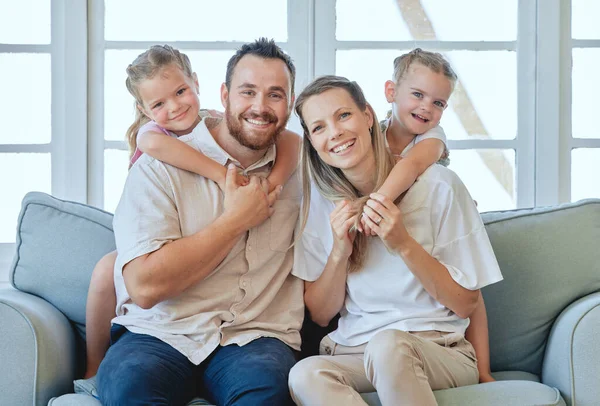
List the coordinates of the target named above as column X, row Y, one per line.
column 344, row 147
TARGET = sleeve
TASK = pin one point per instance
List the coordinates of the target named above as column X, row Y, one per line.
column 439, row 134
column 152, row 126
column 436, row 132
column 146, row 217
column 461, row 241
column 313, row 246
column 310, row 258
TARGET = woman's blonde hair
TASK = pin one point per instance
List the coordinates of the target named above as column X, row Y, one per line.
column 330, row 181
column 145, row 67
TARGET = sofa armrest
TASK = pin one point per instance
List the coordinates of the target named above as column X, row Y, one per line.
column 572, row 359
column 37, row 349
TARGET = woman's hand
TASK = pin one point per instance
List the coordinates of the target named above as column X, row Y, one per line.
column 341, row 220
column 384, row 218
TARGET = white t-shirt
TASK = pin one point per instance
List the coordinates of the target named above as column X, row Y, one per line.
column 436, row 132
column 441, row 216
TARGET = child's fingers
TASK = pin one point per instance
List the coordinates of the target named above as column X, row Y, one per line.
column 231, row 176
column 373, row 226
column 366, row 229
column 272, row 197
column 264, row 183
column 361, row 226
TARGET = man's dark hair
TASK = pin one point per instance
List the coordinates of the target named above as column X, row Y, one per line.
column 263, row 48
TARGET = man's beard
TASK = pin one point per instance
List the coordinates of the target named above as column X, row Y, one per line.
column 238, row 132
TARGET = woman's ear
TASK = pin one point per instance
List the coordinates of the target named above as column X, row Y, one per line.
column 369, row 115
column 390, row 91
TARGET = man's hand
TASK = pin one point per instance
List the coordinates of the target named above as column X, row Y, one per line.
column 248, row 205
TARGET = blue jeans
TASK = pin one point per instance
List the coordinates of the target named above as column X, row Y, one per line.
column 142, row 370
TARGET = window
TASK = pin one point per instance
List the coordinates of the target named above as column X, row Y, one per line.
column 25, row 81
column 486, row 121
column 43, row 87
column 585, row 84
column 123, row 30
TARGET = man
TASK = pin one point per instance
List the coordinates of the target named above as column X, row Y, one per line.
column 205, row 297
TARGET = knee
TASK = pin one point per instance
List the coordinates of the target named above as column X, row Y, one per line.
column 103, row 274
column 275, row 388
column 115, row 388
column 307, row 375
column 387, row 345
column 124, row 380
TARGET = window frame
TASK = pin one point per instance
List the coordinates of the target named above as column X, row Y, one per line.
column 543, row 146
column 523, row 144
column 297, row 45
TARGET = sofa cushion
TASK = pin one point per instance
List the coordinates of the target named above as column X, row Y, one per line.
column 57, row 246
column 549, row 258
column 500, row 393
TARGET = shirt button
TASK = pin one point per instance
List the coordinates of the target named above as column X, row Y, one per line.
column 328, row 350
column 244, row 284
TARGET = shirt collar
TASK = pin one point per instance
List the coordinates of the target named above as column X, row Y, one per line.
column 206, row 143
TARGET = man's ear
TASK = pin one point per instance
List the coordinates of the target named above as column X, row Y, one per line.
column 292, row 102
column 390, row 91
column 224, row 95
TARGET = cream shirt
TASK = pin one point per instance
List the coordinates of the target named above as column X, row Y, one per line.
column 440, row 215
column 251, row 294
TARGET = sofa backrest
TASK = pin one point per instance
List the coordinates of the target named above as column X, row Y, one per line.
column 57, row 246
column 549, row 257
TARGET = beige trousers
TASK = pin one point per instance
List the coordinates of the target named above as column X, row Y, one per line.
column 404, row 368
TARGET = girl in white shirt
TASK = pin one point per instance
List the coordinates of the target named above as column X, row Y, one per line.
column 404, row 296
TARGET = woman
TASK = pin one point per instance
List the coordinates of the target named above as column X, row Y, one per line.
column 406, row 294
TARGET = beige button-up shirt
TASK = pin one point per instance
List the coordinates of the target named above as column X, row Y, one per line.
column 251, row 294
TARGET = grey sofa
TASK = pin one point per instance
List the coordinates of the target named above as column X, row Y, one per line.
column 544, row 317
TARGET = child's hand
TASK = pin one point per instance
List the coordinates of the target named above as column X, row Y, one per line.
column 364, row 227
column 273, row 182
column 486, row 377
column 241, row 179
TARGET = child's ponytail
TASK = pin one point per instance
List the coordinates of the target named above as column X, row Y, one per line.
column 132, row 131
